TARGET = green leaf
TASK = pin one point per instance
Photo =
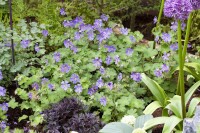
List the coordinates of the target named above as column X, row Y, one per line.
column 193, row 103
column 116, row 127
column 152, row 107
column 140, row 121
column 12, row 103
column 192, row 72
column 190, row 92
column 156, row 90
column 175, row 106
column 155, row 121
column 170, row 124
column 22, row 117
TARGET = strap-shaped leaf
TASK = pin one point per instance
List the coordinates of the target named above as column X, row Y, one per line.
column 192, row 72
column 170, row 124
column 152, row 107
column 175, row 106
column 190, row 92
column 155, row 121
column 193, row 103
column 195, row 65
column 156, row 90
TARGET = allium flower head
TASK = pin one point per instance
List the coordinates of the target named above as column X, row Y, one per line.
column 65, row 85
column 74, row 78
column 56, row 56
column 128, row 119
column 178, row 9
column 103, row 101
column 136, row 76
column 25, row 43
column 195, row 4
column 65, row 68
column 1, row 75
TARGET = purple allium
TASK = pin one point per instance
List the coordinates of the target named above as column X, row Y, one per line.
column 136, row 76
column 44, row 80
column 90, row 35
column 124, row 31
column 155, row 19
column 62, row 11
column 92, row 90
column 119, row 77
column 165, row 56
column 1, row 75
column 30, row 95
column 65, row 68
column 97, row 62
column 108, row 60
column 158, row 73
column 132, row 38
column 174, row 47
column 65, row 85
column 166, row 37
column 4, row 106
column 102, row 70
column 25, row 43
column 110, row 85
column 100, row 83
column 103, row 101
column 35, row 86
column 178, row 9
column 45, row 33
column 98, row 23
column 104, row 17
column 37, row 48
column 195, row 4
column 129, row 51
column 165, row 68
column 51, row 86
column 77, row 35
column 67, row 43
column 56, row 56
column 110, row 49
column 78, row 88
column 117, row 59
column 3, row 125
column 74, row 78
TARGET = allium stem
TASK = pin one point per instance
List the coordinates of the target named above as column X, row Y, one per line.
column 161, row 11
column 181, row 72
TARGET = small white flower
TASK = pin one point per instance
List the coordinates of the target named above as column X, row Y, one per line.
column 128, row 119
column 139, row 130
column 73, row 132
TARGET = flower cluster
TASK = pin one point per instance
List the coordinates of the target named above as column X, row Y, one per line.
column 128, row 119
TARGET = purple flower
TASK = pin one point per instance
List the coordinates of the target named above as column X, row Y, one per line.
column 92, row 90
column 45, row 33
column 136, row 76
column 25, row 43
column 75, row 78
column 155, row 19
column 97, row 62
column 74, row 49
column 104, row 17
column 110, row 49
column 165, row 68
column 166, row 37
column 4, row 106
column 67, row 43
column 78, row 20
column 98, row 23
column 77, row 35
column 37, row 48
column 158, row 72
column 165, row 56
column 178, row 9
column 195, row 4
column 65, row 68
column 51, row 86
column 30, row 95
column 103, row 101
column 110, row 85
column 78, row 88
column 132, row 38
column 56, row 56
column 174, row 25
column 100, row 83
column 189, row 46
column 62, row 11
column 119, row 77
column 90, row 35
column 3, row 125
column 108, row 60
column 129, row 51
column 83, row 27
column 2, row 91
column 102, row 70
column 1, row 75
column 65, row 85
column 156, row 39
column 45, row 80
column 174, row 47
column 67, row 23
column 104, row 34
column 35, row 86
column 117, row 59
column 124, row 31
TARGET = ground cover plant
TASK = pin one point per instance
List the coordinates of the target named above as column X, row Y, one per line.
column 97, row 62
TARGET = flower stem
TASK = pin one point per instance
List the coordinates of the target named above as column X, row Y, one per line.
column 181, row 72
column 160, row 12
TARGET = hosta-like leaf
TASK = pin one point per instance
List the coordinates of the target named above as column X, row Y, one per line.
column 152, row 107
column 155, row 121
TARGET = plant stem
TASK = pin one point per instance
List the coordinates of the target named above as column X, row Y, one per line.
column 160, row 12
column 181, row 72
